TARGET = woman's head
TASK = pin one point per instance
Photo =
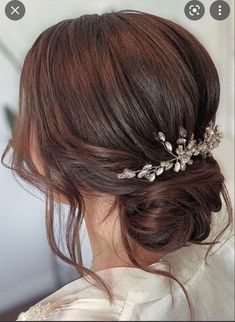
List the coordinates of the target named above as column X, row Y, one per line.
column 92, row 92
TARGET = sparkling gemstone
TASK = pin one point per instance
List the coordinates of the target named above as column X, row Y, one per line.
column 142, row 173
column 159, row 171
column 161, row 136
column 177, row 166
column 191, row 144
column 150, row 176
column 163, row 163
column 181, row 141
column 168, row 146
column 147, row 167
column 169, row 166
column 129, row 173
column 180, row 149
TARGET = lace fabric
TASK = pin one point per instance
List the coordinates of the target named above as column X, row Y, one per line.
column 43, row 311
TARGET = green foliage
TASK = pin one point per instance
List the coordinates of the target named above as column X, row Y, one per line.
column 10, row 116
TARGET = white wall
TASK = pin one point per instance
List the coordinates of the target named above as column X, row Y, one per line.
column 27, row 268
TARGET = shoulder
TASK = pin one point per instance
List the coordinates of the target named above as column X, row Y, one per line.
column 74, row 310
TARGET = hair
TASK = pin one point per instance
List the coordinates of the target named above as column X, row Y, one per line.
column 92, row 91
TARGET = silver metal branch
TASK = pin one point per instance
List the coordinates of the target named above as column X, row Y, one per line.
column 186, row 149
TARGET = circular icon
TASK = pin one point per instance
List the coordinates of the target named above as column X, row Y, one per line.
column 194, row 10
column 15, row 10
column 220, row 10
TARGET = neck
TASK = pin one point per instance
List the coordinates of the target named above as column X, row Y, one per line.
column 105, row 238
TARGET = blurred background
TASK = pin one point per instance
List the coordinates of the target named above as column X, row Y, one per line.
column 28, row 269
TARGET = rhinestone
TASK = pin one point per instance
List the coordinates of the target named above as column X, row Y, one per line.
column 150, row 176
column 159, row 171
column 215, row 144
column 142, row 173
column 169, row 166
column 190, row 152
column 121, row 175
column 129, row 173
column 168, row 146
column 191, row 144
column 181, row 141
column 147, row 167
column 184, row 157
column 177, row 166
column 192, row 137
column 180, row 149
column 161, row 136
column 203, row 147
column 209, row 137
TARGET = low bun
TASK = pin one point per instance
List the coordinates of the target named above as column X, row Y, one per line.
column 174, row 211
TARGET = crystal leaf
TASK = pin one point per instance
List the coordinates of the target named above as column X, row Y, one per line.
column 214, row 139
column 190, row 152
column 181, row 141
column 183, row 132
column 203, row 147
column 190, row 161
column 129, row 173
column 215, row 144
column 142, row 173
column 183, row 166
column 161, row 136
column 184, row 157
column 180, row 149
column 191, row 144
column 196, row 152
column 169, row 166
column 168, row 146
column 147, row 167
column 163, row 163
column 192, row 137
column 177, row 166
column 159, row 171
column 150, row 176
column 121, row 175
column 209, row 137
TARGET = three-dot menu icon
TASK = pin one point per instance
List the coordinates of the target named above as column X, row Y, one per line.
column 220, row 10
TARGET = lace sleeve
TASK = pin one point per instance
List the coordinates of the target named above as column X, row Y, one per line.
column 43, row 312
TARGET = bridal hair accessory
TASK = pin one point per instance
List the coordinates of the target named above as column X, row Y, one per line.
column 183, row 153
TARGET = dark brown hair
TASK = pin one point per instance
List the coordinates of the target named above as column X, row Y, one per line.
column 92, row 91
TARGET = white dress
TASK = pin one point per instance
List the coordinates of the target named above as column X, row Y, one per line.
column 142, row 296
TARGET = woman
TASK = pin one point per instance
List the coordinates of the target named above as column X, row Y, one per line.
column 117, row 120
